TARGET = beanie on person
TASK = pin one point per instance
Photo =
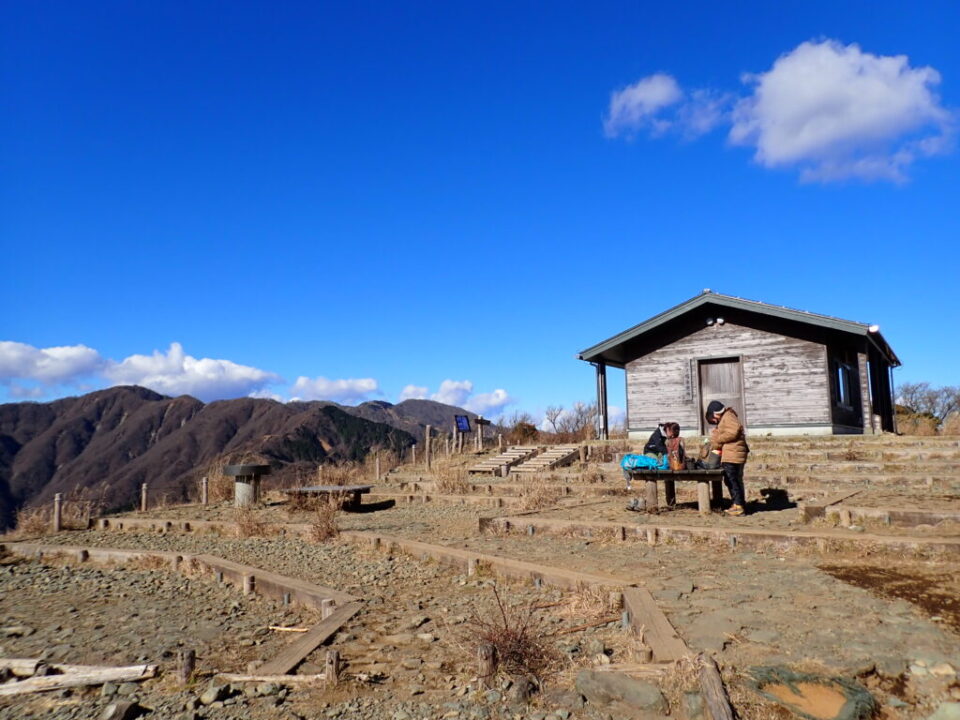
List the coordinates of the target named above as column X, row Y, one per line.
column 713, row 408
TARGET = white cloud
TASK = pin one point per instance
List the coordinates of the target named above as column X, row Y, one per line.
column 636, row 106
column 837, row 112
column 488, row 403
column 53, row 365
column 832, row 111
column 176, row 373
column 413, row 392
column 264, row 394
column 351, row 390
column 453, row 392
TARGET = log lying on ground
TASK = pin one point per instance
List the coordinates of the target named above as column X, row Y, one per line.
column 711, row 687
column 79, row 676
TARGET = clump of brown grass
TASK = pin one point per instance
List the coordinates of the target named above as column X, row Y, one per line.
column 922, row 425
column 219, row 486
column 347, row 473
column 538, row 494
column 518, row 635
column 951, row 425
column 248, row 524
column 32, row 521
column 323, row 525
column 449, row 476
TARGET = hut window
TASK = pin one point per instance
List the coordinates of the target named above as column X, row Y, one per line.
column 843, row 384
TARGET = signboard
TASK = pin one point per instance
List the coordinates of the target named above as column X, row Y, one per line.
column 463, row 423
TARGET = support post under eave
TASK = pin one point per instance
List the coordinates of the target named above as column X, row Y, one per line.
column 603, row 426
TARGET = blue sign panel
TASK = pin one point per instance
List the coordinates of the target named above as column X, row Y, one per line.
column 463, row 423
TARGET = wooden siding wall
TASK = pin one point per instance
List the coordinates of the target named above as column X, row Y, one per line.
column 784, row 380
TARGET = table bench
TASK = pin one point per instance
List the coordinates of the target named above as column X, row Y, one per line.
column 348, row 494
column 669, row 477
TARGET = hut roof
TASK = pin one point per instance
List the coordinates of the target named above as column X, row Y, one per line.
column 688, row 316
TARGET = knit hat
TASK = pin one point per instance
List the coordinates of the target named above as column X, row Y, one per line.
column 714, row 408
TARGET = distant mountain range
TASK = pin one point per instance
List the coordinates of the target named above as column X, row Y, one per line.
column 112, row 440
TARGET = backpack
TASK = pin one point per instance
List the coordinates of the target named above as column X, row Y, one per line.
column 675, row 454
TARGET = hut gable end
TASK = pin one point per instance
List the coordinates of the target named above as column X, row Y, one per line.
column 784, row 379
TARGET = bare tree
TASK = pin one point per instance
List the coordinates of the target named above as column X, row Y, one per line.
column 936, row 402
column 552, row 415
column 579, row 419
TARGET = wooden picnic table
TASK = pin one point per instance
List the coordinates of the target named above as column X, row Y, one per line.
column 670, row 477
column 352, row 492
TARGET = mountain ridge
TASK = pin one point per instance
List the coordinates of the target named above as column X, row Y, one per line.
column 109, row 441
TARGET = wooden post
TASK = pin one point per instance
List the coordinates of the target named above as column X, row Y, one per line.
column 583, row 453
column 500, row 442
column 712, row 690
column 249, row 584
column 703, row 498
column 376, row 463
column 472, row 566
column 188, row 663
column 413, row 451
column 652, row 501
column 480, row 432
column 615, row 600
column 426, row 447
column 651, row 536
column 331, row 668
column 487, row 664
column 143, row 497
column 717, row 488
column 845, row 520
column 327, row 606
column 204, row 491
column 57, row 523
column 670, row 493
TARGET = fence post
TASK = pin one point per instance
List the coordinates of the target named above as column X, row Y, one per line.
column 413, row 450
column 57, row 523
column 143, row 497
column 500, row 442
column 426, row 447
column 204, row 491
column 376, row 464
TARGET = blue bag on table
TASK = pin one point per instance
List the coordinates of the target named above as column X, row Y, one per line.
column 644, row 462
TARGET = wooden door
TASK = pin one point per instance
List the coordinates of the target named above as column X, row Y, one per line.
column 720, row 380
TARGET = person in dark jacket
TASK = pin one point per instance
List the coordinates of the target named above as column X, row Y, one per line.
column 656, row 443
column 729, row 440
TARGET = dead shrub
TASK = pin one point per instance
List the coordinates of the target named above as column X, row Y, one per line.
column 347, row 473
column 951, row 425
column 450, row 477
column 323, row 525
column 517, row 633
column 913, row 424
column 538, row 494
column 248, row 524
column 32, row 521
column 219, row 486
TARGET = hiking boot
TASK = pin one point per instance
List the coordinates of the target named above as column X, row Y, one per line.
column 736, row 510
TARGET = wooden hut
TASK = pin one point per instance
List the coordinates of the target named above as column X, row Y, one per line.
column 785, row 372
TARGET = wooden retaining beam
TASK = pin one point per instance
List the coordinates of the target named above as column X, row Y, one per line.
column 894, row 516
column 647, row 619
column 295, row 652
column 822, row 540
column 812, row 510
column 268, row 584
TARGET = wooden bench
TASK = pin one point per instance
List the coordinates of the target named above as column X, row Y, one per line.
column 349, row 495
column 670, row 477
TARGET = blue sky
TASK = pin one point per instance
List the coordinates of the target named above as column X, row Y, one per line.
column 224, row 198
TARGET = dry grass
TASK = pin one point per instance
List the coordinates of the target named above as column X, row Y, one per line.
column 916, row 425
column 32, row 522
column 518, row 634
column 323, row 525
column 538, row 494
column 450, row 476
column 951, row 426
column 249, row 525
column 219, row 486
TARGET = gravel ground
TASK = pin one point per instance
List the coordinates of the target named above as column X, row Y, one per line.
column 413, row 642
